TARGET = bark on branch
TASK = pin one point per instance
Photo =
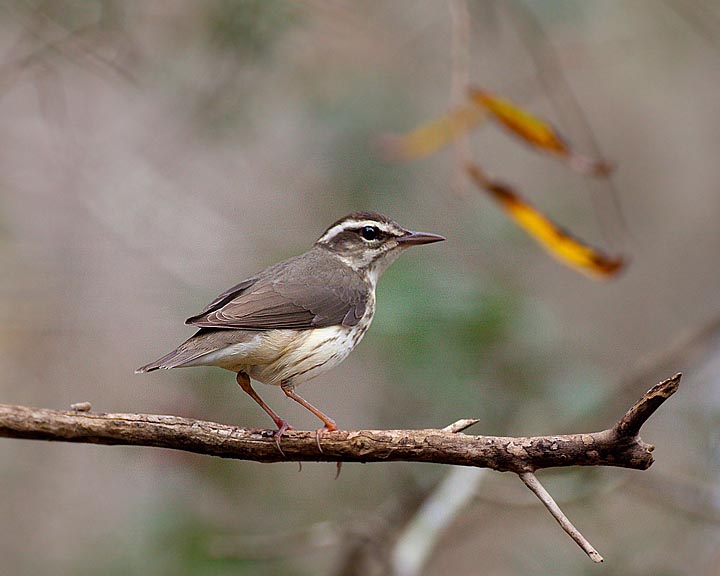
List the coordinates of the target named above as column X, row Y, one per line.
column 617, row 446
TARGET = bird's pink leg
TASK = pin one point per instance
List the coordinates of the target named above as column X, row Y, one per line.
column 289, row 390
column 330, row 425
column 244, row 381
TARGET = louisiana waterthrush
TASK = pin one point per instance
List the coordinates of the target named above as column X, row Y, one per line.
column 300, row 317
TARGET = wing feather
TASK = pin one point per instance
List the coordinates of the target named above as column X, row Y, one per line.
column 299, row 293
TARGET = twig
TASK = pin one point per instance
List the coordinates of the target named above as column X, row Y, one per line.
column 81, row 407
column 637, row 415
column 461, row 425
column 538, row 489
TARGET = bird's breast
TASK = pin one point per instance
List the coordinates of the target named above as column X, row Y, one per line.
column 293, row 356
column 308, row 353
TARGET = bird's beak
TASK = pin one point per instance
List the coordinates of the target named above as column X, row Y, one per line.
column 412, row 238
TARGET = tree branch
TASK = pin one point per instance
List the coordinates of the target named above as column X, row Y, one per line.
column 618, row 446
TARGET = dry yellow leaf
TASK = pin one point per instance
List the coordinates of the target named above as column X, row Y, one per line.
column 436, row 134
column 556, row 241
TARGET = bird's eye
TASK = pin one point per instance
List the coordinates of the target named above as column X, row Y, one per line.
column 369, row 232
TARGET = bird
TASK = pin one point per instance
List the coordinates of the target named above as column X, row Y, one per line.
column 300, row 317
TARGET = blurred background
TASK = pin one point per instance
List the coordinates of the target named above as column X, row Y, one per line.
column 155, row 153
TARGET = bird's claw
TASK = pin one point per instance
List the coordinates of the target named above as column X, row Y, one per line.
column 282, row 428
column 329, row 427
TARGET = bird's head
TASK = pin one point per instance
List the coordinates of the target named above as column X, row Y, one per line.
column 369, row 242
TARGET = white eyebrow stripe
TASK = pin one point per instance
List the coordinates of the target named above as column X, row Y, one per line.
column 349, row 224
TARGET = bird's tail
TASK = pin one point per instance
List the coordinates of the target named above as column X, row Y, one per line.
column 178, row 357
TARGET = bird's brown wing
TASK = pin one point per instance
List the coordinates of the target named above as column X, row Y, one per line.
column 298, row 294
column 228, row 295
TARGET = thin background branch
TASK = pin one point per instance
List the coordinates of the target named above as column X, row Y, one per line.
column 570, row 114
column 460, row 80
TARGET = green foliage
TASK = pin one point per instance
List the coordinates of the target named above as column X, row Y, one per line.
column 249, row 29
column 447, row 341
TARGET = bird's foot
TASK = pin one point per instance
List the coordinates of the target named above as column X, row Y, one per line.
column 283, row 426
column 330, row 426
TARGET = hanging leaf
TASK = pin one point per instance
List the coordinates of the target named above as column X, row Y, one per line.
column 436, row 134
column 559, row 243
column 536, row 132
